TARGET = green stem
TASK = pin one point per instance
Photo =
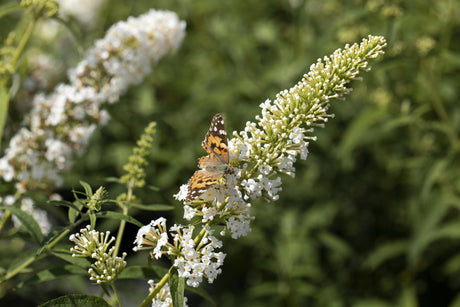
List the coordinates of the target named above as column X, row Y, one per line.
column 121, row 229
column 253, row 170
column 20, row 48
column 112, row 284
column 58, row 238
column 199, row 236
column 19, row 268
column 23, row 42
column 147, row 301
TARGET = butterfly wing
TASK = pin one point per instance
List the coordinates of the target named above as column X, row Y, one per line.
column 215, row 165
column 200, row 183
column 215, row 141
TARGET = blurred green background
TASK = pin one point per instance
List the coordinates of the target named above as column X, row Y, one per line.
column 372, row 217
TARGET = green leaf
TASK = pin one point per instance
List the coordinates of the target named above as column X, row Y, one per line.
column 386, row 252
column 57, row 273
column 112, row 179
column 9, row 8
column 455, row 302
column 88, row 189
column 59, row 203
column 92, row 219
column 408, row 298
column 74, row 212
column 153, row 207
column 359, row 133
column 337, row 246
column 264, row 289
column 176, row 286
column 50, row 237
column 67, row 256
column 427, row 224
column 29, row 223
column 436, row 172
column 4, row 101
column 447, row 231
column 452, row 266
column 119, row 216
column 75, row 300
column 26, row 257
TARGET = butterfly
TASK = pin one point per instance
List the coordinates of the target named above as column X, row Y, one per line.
column 213, row 166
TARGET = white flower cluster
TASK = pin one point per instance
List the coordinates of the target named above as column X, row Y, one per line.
column 95, row 245
column 199, row 260
column 194, row 260
column 152, row 235
column 60, row 125
column 222, row 200
column 163, row 298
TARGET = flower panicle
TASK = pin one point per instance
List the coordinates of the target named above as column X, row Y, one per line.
column 283, row 131
column 96, row 245
column 96, row 201
column 60, row 125
column 135, row 168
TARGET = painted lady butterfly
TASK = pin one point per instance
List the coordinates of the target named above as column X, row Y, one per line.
column 213, row 166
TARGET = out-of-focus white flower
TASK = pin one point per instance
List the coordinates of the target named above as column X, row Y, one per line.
column 85, row 11
column 27, row 205
column 60, row 124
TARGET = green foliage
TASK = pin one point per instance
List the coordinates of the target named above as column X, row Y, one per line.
column 28, row 221
column 176, row 284
column 76, row 300
column 372, row 217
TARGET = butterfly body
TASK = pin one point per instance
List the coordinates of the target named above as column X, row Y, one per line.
column 213, row 166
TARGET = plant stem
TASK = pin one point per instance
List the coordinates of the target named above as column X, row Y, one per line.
column 199, row 237
column 112, row 284
column 20, row 48
column 121, row 229
column 157, row 289
column 253, row 170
